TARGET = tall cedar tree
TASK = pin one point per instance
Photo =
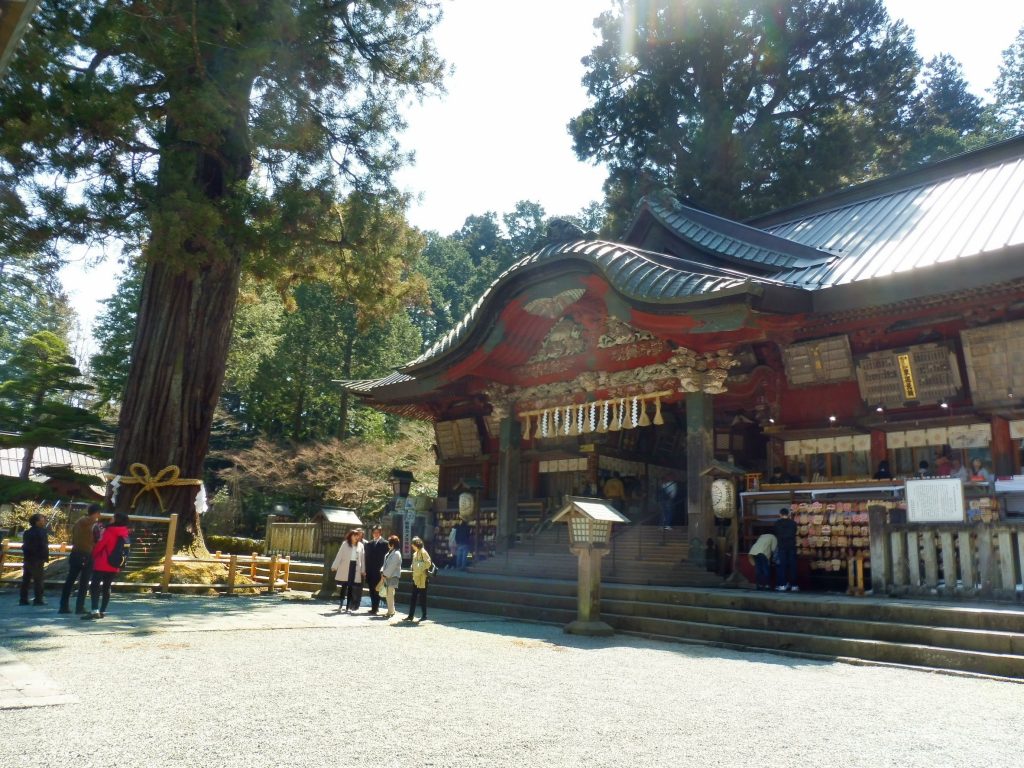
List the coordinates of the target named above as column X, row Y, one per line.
column 220, row 135
column 1009, row 88
column 743, row 105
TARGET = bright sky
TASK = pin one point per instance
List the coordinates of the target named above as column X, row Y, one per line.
column 499, row 136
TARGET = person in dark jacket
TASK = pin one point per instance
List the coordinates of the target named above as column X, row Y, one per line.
column 462, row 539
column 785, row 533
column 376, row 549
column 35, row 552
column 80, row 560
column 103, row 571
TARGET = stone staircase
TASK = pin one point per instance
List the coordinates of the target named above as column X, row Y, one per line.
column 962, row 637
column 640, row 555
column 148, row 546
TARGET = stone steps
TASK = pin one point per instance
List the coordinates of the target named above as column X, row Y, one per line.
column 971, row 638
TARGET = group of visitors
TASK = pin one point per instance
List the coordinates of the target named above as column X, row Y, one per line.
column 378, row 563
column 98, row 552
column 779, row 547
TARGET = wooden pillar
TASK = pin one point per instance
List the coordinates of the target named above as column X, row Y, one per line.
column 172, row 529
column 509, row 453
column 700, row 451
column 1002, row 447
column 879, row 448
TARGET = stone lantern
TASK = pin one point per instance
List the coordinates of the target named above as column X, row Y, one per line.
column 590, row 531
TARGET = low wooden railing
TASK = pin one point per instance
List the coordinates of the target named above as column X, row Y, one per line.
column 976, row 559
column 294, row 539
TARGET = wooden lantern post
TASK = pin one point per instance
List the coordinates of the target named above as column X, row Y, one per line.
column 590, row 530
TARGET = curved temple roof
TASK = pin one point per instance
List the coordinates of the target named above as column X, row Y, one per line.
column 960, row 207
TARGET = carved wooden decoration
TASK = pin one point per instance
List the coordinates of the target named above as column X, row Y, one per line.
column 565, row 339
column 555, row 305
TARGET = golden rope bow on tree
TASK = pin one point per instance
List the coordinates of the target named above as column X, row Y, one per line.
column 168, row 477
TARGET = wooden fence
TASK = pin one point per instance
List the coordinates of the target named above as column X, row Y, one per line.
column 294, row 540
column 982, row 560
column 271, row 573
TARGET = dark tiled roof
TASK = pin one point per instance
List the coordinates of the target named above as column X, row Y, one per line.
column 747, row 248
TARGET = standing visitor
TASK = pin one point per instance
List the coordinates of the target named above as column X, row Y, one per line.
column 421, row 564
column 108, row 556
column 349, row 570
column 760, row 556
column 462, row 536
column 35, row 552
column 376, row 551
column 391, row 572
column 978, row 472
column 667, row 492
column 785, row 535
column 80, row 560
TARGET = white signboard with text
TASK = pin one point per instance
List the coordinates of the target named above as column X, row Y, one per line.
column 935, row 500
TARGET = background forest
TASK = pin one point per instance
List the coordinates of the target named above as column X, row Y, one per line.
column 734, row 112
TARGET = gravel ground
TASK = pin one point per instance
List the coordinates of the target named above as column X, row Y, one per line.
column 258, row 682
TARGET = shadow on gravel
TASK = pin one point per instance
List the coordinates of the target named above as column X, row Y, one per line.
column 551, row 636
column 128, row 614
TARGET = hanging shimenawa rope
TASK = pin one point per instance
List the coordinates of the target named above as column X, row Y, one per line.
column 139, row 474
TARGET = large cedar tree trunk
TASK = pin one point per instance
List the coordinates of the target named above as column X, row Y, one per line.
column 187, row 308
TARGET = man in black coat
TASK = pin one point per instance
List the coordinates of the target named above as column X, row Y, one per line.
column 376, row 549
column 785, row 531
column 35, row 552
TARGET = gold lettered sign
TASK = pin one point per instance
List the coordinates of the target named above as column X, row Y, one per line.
column 906, row 377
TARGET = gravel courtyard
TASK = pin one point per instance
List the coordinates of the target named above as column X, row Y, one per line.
column 264, row 682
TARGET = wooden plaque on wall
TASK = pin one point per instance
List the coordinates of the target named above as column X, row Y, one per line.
column 818, row 362
column 895, row 378
column 995, row 363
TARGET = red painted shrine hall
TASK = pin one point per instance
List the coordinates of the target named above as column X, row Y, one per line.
column 884, row 322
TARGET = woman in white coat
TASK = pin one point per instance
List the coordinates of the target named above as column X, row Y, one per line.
column 350, row 570
column 391, row 572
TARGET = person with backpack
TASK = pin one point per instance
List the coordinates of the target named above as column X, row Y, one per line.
column 422, row 566
column 108, row 558
column 80, row 560
column 35, row 552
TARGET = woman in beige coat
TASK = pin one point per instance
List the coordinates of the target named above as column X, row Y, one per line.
column 350, row 570
column 421, row 564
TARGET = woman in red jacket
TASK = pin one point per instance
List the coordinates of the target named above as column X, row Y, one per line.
column 114, row 541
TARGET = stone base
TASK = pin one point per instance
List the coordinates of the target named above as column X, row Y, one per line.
column 589, row 628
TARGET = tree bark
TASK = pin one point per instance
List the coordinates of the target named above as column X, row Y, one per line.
column 189, row 293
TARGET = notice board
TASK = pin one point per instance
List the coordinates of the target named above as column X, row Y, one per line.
column 935, row 500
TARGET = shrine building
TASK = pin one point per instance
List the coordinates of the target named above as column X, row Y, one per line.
column 880, row 323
